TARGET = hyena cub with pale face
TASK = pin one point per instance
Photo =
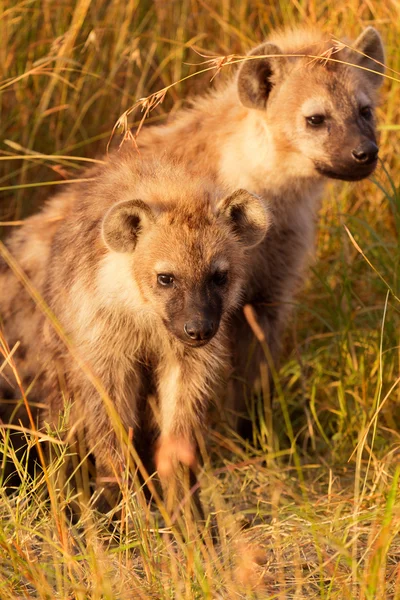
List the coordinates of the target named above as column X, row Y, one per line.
column 142, row 272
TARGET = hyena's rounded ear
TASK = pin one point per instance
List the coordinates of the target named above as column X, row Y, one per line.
column 247, row 216
column 124, row 222
column 257, row 76
column 372, row 56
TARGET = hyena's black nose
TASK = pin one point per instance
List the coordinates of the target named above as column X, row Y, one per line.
column 365, row 153
column 199, row 331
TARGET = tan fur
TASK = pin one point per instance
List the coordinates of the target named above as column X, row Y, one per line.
column 265, row 148
column 98, row 272
column 255, row 136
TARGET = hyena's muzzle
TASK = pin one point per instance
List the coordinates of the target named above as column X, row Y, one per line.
column 196, row 318
column 352, row 157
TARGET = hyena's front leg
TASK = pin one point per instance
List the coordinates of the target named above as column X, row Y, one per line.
column 256, row 335
column 275, row 277
column 182, row 393
column 102, row 411
column 109, row 471
column 108, row 425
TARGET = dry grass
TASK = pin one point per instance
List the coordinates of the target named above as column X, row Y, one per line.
column 320, row 517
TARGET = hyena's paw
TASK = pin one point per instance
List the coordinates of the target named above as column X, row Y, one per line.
column 171, row 451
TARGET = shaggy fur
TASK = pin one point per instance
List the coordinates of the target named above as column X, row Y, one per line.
column 96, row 254
column 255, row 133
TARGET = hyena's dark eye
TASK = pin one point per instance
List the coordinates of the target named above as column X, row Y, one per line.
column 366, row 112
column 165, row 279
column 316, row 120
column 220, row 277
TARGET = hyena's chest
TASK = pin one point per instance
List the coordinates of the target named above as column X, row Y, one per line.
column 281, row 257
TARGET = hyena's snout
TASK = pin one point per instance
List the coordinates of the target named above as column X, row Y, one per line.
column 200, row 330
column 200, row 323
column 195, row 324
column 366, row 153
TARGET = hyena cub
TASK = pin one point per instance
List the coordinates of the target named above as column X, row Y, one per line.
column 283, row 125
column 143, row 268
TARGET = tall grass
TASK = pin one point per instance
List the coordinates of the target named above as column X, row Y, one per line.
column 320, row 518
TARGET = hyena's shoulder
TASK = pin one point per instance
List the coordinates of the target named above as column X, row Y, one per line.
column 28, row 248
column 195, row 135
column 23, row 273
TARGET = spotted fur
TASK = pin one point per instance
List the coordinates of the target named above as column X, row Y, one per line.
column 95, row 254
column 253, row 133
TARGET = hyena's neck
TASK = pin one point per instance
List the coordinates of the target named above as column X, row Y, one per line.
column 221, row 136
column 251, row 158
column 243, row 149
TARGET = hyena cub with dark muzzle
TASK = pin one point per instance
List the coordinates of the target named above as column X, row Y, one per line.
column 290, row 119
column 142, row 272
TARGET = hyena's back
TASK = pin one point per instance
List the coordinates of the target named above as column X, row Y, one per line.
column 21, row 325
column 21, row 321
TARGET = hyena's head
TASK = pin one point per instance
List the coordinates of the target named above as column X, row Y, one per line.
column 320, row 112
column 188, row 259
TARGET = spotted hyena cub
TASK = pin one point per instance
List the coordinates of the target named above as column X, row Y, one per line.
column 142, row 266
column 284, row 124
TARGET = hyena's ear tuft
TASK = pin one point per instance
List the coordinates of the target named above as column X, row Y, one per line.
column 123, row 224
column 370, row 43
column 247, row 216
column 257, row 76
